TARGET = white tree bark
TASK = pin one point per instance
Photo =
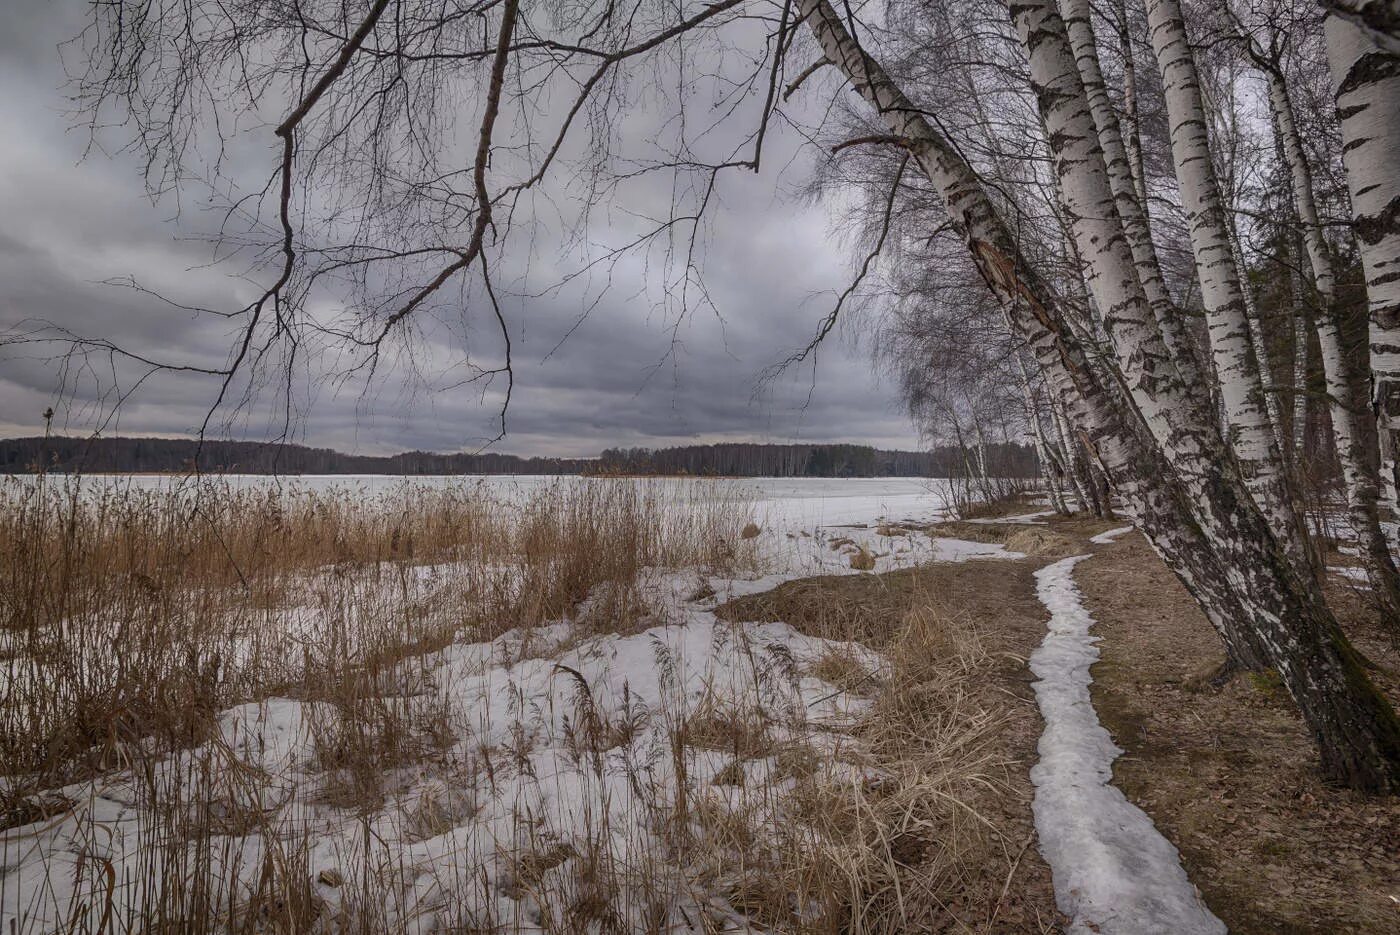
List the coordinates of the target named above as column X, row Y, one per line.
column 1201, row 524
column 1129, row 193
column 1367, row 85
column 1351, row 422
column 1236, row 366
column 1171, row 402
column 1132, row 137
column 1256, row 336
column 1078, row 479
column 1378, row 19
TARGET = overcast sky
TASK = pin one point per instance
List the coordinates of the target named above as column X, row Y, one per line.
column 773, row 266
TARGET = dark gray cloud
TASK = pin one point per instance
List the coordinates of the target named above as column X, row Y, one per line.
column 635, row 372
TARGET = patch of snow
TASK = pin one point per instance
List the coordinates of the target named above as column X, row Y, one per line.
column 1022, row 519
column 1114, row 874
column 1356, row 576
column 1106, row 538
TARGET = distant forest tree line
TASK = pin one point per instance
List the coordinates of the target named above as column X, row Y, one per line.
column 756, row 460
column 170, row 455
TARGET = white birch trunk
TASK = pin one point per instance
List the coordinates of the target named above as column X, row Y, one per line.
column 1378, row 19
column 1175, row 410
column 1225, row 554
column 1222, row 294
column 1261, row 351
column 1077, row 479
column 1302, row 331
column 1132, row 138
column 981, row 453
column 1367, row 85
column 1351, row 422
column 1129, row 192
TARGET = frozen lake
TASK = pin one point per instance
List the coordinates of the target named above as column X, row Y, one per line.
column 801, row 502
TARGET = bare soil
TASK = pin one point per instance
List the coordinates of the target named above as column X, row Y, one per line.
column 1229, row 773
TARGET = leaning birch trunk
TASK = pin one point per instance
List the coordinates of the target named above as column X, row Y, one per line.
column 981, row 451
column 1303, row 328
column 1078, row 478
column 1236, row 367
column 1261, row 350
column 1302, row 331
column 1129, row 194
column 1285, row 618
column 969, row 473
column 1351, row 422
column 1367, row 85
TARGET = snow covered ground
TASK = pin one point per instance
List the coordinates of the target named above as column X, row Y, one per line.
column 1114, row 874
column 572, row 755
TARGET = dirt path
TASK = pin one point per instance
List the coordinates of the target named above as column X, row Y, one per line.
column 1229, row 774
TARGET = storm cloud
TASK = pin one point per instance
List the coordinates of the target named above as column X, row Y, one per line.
column 625, row 373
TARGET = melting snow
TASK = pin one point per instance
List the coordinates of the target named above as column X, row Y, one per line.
column 1356, row 576
column 1106, row 538
column 1113, row 872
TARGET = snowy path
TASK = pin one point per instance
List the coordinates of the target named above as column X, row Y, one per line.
column 1113, row 871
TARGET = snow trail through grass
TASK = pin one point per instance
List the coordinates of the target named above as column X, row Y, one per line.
column 1113, row 871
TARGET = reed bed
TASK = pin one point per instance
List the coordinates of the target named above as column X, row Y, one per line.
column 133, row 615
column 276, row 711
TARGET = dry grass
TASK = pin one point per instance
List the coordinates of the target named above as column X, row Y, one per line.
column 130, row 617
column 927, row 828
column 1009, row 496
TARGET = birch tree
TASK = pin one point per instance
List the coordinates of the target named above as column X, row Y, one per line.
column 1367, row 83
column 1236, row 367
column 1352, row 423
column 1129, row 194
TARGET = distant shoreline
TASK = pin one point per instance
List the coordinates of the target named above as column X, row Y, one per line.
column 177, row 457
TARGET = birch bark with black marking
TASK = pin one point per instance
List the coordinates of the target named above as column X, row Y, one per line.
column 1129, row 193
column 1352, row 425
column 1222, row 293
column 1367, row 85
